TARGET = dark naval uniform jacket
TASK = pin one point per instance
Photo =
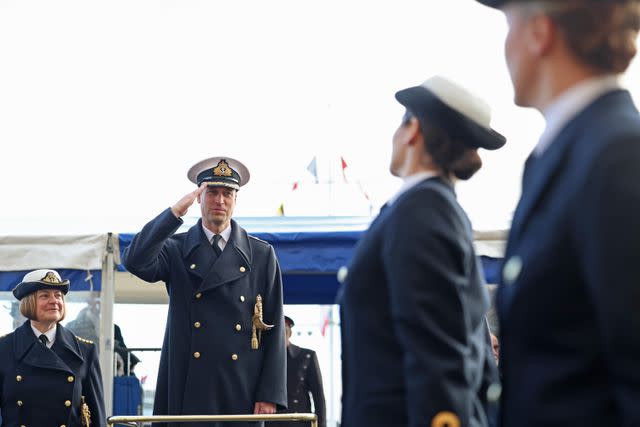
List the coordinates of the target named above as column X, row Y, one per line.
column 207, row 364
column 43, row 387
column 415, row 343
column 304, row 381
column 569, row 301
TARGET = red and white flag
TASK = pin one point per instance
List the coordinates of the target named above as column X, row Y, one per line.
column 344, row 167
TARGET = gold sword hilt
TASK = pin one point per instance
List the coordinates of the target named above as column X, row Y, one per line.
column 85, row 413
column 257, row 324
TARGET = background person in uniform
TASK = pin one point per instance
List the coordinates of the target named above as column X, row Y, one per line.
column 87, row 322
column 224, row 286
column 569, row 301
column 415, row 341
column 123, row 354
column 304, row 381
column 48, row 375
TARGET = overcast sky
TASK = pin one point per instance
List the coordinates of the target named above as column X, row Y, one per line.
column 104, row 105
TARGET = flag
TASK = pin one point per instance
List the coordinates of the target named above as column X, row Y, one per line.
column 313, row 168
column 281, row 209
column 362, row 190
column 357, row 181
column 344, row 166
column 325, row 323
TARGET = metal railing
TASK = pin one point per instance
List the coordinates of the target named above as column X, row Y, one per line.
column 135, row 421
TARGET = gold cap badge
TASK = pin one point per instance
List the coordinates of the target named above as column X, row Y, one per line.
column 51, row 277
column 222, row 169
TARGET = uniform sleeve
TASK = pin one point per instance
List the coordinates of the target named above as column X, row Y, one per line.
column 92, row 389
column 314, row 383
column 425, row 267
column 146, row 256
column 272, row 385
column 608, row 241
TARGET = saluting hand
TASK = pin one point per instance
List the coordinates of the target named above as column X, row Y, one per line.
column 180, row 209
column 264, row 408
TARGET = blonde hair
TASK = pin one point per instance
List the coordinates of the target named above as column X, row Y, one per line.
column 600, row 34
column 28, row 306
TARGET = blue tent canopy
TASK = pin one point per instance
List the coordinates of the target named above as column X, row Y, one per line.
column 78, row 278
column 311, row 251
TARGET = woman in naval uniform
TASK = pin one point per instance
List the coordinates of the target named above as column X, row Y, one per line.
column 48, row 376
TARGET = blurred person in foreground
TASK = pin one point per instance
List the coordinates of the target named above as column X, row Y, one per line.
column 304, row 382
column 224, row 343
column 569, row 297
column 48, row 375
column 415, row 341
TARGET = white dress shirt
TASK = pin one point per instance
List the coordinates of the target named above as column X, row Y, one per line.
column 50, row 334
column 570, row 103
column 222, row 243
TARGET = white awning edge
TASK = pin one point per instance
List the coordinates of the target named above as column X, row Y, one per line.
column 490, row 243
column 83, row 252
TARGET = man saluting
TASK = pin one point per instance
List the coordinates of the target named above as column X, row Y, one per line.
column 219, row 355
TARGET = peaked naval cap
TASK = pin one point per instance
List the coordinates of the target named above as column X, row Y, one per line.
column 219, row 172
column 40, row 279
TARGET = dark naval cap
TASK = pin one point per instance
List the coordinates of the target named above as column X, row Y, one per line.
column 458, row 111
column 497, row 4
column 40, row 279
column 289, row 321
column 219, row 172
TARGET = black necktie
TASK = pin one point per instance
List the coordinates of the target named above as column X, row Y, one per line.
column 43, row 339
column 215, row 245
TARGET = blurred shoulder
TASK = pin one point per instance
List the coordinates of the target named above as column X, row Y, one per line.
column 6, row 341
column 258, row 241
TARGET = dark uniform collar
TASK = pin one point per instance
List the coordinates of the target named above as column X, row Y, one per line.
column 28, row 349
column 67, row 340
column 210, row 272
column 293, row 350
column 196, row 237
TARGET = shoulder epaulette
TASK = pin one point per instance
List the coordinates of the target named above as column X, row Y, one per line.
column 258, row 239
column 86, row 341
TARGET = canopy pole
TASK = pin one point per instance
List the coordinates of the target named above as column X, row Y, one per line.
column 107, row 298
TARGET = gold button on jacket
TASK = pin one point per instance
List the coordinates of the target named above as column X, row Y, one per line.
column 214, row 382
column 43, row 388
